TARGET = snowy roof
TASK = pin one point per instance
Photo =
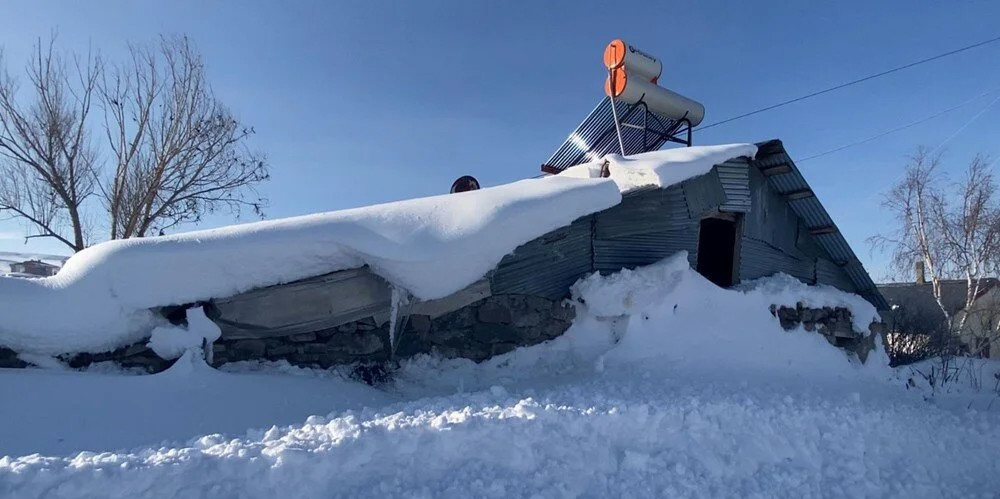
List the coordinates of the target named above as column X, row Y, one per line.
column 661, row 168
column 430, row 247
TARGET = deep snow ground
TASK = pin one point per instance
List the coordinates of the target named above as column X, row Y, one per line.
column 686, row 404
column 641, row 430
column 63, row 412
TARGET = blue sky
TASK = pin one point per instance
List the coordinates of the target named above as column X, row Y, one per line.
column 364, row 102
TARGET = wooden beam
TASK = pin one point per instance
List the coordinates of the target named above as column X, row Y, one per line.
column 551, row 169
column 798, row 194
column 825, row 229
column 778, row 169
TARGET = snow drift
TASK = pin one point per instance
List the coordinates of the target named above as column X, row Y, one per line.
column 704, row 395
column 669, row 312
column 431, row 247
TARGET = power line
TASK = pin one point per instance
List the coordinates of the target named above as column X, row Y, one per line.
column 852, row 82
column 965, row 125
column 903, row 127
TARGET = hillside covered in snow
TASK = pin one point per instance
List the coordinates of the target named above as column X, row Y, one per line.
column 651, row 393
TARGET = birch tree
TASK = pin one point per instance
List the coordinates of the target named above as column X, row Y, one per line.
column 952, row 227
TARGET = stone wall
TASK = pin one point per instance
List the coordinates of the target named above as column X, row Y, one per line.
column 492, row 326
column 489, row 327
column 836, row 324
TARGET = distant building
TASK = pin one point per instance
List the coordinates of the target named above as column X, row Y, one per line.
column 915, row 310
column 34, row 268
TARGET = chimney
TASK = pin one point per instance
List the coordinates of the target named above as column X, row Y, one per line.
column 918, row 269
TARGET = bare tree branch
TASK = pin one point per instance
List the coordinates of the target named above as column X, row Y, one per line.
column 954, row 229
column 47, row 163
column 176, row 152
column 180, row 154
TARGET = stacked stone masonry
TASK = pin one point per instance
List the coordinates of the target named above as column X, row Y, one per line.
column 489, row 327
column 492, row 326
column 836, row 324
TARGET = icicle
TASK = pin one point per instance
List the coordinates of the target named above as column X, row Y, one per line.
column 399, row 297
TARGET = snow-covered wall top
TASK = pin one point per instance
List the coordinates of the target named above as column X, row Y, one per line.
column 432, row 247
column 661, row 168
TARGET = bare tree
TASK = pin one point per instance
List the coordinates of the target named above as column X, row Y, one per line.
column 178, row 152
column 47, row 161
column 952, row 227
column 175, row 152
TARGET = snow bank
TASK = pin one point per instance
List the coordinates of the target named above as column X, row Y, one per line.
column 681, row 406
column 669, row 312
column 661, row 168
column 66, row 412
column 431, row 247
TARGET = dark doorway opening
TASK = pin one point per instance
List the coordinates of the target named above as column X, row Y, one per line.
column 717, row 250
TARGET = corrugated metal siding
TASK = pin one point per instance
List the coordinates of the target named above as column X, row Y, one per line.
column 759, row 259
column 547, row 266
column 611, row 255
column 830, row 273
column 703, row 193
column 652, row 224
column 770, row 219
column 644, row 211
column 813, row 214
column 736, row 182
column 649, row 225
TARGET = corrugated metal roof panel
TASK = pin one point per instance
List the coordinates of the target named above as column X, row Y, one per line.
column 548, row 265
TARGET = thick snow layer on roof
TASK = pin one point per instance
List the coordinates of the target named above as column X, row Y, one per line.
column 661, row 168
column 430, row 246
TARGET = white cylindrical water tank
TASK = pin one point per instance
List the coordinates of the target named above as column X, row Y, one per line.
column 624, row 86
column 619, row 54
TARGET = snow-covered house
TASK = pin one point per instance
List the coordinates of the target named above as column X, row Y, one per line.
column 740, row 214
column 471, row 274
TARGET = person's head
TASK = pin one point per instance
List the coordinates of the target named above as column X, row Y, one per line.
column 465, row 183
